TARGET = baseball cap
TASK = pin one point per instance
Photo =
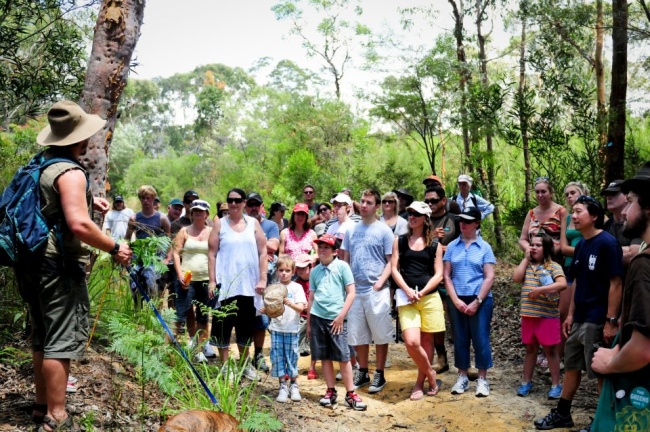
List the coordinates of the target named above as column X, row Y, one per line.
column 432, row 179
column 301, row 207
column 464, row 178
column 420, row 207
column 613, row 188
column 254, row 196
column 342, row 198
column 118, row 198
column 176, row 201
column 303, row 260
column 278, row 206
column 156, row 200
column 200, row 205
column 189, row 194
column 328, row 239
column 471, row 214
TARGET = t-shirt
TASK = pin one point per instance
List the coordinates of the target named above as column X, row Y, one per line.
column 328, row 284
column 368, row 246
column 635, row 309
column 289, row 321
column 305, row 287
column 270, row 229
column 118, row 222
column 450, row 225
column 400, row 227
column 179, row 223
column 546, row 305
column 338, row 229
column 595, row 262
column 616, row 230
column 467, row 265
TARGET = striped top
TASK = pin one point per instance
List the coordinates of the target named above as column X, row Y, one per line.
column 546, row 305
column 467, row 265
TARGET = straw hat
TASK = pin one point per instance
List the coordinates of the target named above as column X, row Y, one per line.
column 68, row 124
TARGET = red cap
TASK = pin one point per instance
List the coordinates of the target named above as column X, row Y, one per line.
column 301, row 207
column 432, row 177
column 327, row 239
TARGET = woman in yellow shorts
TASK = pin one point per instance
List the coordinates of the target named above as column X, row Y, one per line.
column 417, row 271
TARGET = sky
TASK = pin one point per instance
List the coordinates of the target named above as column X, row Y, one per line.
column 178, row 36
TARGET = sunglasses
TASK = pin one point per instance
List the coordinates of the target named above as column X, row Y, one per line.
column 432, row 200
column 322, row 210
column 542, row 179
column 253, row 204
column 388, row 201
column 586, row 199
column 414, row 214
column 308, row 192
column 235, row 200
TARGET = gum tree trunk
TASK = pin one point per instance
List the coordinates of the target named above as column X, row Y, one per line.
column 116, row 34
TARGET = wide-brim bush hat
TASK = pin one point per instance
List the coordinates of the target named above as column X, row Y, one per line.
column 274, row 296
column 641, row 181
column 68, row 124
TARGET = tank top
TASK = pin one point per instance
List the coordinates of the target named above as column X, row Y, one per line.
column 195, row 259
column 294, row 246
column 237, row 262
column 551, row 226
column 152, row 224
column 416, row 267
column 573, row 236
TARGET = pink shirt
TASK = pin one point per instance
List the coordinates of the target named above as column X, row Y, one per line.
column 294, row 246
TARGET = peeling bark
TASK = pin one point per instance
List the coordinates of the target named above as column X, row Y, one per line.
column 116, row 34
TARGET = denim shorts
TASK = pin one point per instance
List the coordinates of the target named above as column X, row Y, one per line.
column 196, row 292
column 325, row 345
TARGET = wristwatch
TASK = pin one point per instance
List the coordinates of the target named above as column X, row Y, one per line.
column 115, row 249
column 612, row 320
column 479, row 300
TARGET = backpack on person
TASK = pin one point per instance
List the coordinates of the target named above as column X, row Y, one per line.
column 471, row 197
column 24, row 230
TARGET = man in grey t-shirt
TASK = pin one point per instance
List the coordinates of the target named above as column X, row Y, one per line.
column 367, row 247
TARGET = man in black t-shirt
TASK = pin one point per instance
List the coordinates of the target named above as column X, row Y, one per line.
column 627, row 366
column 616, row 203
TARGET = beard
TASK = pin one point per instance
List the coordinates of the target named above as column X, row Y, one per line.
column 634, row 229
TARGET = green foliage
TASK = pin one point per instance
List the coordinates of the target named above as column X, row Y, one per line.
column 150, row 250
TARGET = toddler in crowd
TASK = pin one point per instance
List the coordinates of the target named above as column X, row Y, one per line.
column 542, row 280
column 331, row 293
column 284, row 332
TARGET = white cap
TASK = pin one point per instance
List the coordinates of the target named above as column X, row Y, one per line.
column 342, row 198
column 464, row 178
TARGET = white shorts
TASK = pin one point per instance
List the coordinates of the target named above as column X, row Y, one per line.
column 369, row 319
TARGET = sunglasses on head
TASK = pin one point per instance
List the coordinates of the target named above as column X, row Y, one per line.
column 542, row 179
column 432, row 200
column 586, row 199
column 235, row 200
column 388, row 201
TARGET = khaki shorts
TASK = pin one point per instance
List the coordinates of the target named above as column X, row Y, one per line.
column 58, row 306
column 369, row 319
column 427, row 314
column 579, row 348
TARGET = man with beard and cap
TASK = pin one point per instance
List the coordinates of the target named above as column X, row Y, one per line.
column 616, row 203
column 624, row 401
column 116, row 221
column 254, row 208
column 55, row 288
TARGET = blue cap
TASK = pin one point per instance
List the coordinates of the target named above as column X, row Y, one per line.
column 176, row 201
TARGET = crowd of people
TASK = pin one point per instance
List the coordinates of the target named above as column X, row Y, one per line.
column 345, row 266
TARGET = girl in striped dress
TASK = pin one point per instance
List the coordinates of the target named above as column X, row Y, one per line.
column 542, row 280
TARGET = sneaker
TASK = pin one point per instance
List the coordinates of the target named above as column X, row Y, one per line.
column 524, row 389
column 339, row 376
column 360, row 379
column 312, row 374
column 461, row 386
column 72, row 379
column 295, row 393
column 388, row 363
column 354, row 401
column 482, row 387
column 555, row 392
column 208, row 351
column 71, row 387
column 329, row 399
column 283, row 394
column 378, row 383
column 260, row 363
column 554, row 420
column 249, row 372
column 191, row 344
column 200, row 358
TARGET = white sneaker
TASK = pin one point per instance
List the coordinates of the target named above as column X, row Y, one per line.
column 191, row 344
column 249, row 372
column 209, row 351
column 72, row 379
column 71, row 387
column 283, row 394
column 339, row 376
column 388, row 363
column 200, row 358
column 461, row 386
column 482, row 387
column 295, row 393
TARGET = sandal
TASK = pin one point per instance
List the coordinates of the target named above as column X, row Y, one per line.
column 434, row 391
column 417, row 395
column 41, row 408
column 65, row 425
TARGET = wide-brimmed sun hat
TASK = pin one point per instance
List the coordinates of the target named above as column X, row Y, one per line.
column 68, row 124
column 274, row 296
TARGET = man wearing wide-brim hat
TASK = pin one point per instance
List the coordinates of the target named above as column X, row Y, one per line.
column 58, row 296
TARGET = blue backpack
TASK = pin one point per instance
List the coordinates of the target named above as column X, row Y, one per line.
column 24, row 230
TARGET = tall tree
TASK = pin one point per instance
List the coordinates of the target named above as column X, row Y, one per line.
column 615, row 150
column 116, row 34
column 520, row 103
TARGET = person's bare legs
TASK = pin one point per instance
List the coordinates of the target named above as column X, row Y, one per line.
column 327, row 367
column 412, row 340
column 531, row 359
column 570, row 384
column 381, row 352
column 55, row 374
column 362, row 356
column 224, row 354
column 202, row 329
column 553, row 363
column 346, row 372
column 39, row 382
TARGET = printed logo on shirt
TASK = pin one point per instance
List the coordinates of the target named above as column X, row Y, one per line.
column 592, row 261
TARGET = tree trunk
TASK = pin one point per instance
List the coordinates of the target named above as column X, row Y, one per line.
column 601, row 117
column 523, row 120
column 615, row 147
column 464, row 81
column 116, row 34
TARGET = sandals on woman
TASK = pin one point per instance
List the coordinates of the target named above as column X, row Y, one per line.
column 65, row 425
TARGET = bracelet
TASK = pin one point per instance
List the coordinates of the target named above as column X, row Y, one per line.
column 115, row 249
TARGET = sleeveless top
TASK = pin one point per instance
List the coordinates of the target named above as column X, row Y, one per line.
column 152, row 224
column 573, row 236
column 237, row 263
column 416, row 267
column 74, row 249
column 551, row 226
column 294, row 246
column 195, row 259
